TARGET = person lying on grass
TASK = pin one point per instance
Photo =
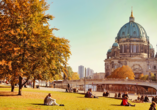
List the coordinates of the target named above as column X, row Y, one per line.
column 138, row 100
column 125, row 102
column 49, row 101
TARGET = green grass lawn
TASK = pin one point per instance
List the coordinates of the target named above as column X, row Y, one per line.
column 32, row 99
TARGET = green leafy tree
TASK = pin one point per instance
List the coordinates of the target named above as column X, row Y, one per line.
column 69, row 72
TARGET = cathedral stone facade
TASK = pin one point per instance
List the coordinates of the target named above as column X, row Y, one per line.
column 132, row 48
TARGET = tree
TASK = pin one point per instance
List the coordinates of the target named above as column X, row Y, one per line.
column 141, row 75
column 69, row 72
column 75, row 76
column 27, row 45
column 122, row 72
column 145, row 77
column 153, row 78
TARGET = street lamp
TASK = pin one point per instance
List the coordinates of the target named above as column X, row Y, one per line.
column 85, row 81
column 149, row 70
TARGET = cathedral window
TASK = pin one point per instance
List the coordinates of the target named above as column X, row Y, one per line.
column 137, row 48
column 125, row 49
column 123, row 33
column 115, row 66
column 154, row 67
column 149, row 67
column 134, row 33
column 122, row 48
column 112, row 65
column 134, row 48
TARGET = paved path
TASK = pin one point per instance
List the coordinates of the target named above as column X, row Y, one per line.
column 131, row 96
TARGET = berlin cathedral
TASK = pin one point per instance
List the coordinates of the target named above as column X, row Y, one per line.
column 132, row 48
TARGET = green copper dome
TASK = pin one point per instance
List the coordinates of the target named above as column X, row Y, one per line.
column 150, row 46
column 132, row 30
column 115, row 44
column 109, row 50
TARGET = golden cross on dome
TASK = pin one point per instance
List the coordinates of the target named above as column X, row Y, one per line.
column 131, row 12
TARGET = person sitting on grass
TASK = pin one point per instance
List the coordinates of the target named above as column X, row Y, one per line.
column 146, row 99
column 123, row 96
column 90, row 95
column 49, row 101
column 119, row 95
column 107, row 93
column 138, row 98
column 142, row 98
column 116, row 95
column 152, row 106
column 104, row 93
column 153, row 98
column 125, row 102
column 87, row 95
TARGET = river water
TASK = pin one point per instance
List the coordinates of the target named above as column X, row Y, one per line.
column 93, row 87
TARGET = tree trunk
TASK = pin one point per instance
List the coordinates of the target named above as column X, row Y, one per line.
column 20, row 85
column 46, row 83
column 12, row 87
column 34, row 82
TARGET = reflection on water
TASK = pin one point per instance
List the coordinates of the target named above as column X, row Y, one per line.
column 93, row 87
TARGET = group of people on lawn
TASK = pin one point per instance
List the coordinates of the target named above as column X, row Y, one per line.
column 50, row 101
column 142, row 99
column 117, row 95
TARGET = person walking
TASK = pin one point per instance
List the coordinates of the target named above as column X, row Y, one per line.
column 68, row 86
column 54, row 84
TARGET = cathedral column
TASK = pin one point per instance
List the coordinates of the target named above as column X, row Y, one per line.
column 122, row 48
column 128, row 48
column 146, row 49
column 137, row 48
column 140, row 48
column 132, row 46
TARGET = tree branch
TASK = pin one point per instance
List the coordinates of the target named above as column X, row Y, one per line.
column 26, row 81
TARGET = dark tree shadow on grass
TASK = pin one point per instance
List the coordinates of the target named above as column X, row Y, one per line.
column 116, row 105
column 38, row 104
column 4, row 86
column 8, row 93
column 82, row 97
column 112, row 98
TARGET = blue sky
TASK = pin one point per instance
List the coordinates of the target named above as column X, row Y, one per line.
column 92, row 25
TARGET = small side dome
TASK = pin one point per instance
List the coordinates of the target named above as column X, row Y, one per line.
column 109, row 50
column 150, row 46
column 115, row 44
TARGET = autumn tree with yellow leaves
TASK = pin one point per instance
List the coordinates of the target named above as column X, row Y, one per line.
column 75, row 76
column 122, row 73
column 27, row 44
